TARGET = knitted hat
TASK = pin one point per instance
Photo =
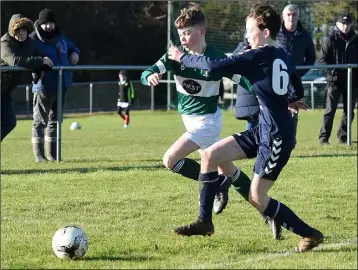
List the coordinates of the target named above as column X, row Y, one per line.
column 46, row 15
column 345, row 19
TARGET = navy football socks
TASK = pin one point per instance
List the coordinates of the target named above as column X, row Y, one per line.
column 208, row 186
column 288, row 218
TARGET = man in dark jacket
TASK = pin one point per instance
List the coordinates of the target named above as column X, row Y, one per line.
column 16, row 50
column 295, row 39
column 339, row 48
column 51, row 42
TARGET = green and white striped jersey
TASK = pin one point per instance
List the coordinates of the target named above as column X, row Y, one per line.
column 198, row 90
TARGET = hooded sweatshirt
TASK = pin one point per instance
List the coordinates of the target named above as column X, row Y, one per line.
column 16, row 53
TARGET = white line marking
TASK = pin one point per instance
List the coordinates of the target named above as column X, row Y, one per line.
column 269, row 256
column 272, row 256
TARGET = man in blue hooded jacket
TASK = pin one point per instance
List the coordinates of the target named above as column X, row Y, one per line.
column 51, row 43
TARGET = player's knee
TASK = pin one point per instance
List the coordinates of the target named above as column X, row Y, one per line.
column 169, row 160
column 208, row 156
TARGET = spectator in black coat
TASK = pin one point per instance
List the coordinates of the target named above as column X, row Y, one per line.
column 340, row 47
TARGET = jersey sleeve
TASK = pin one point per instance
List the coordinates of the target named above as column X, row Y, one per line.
column 161, row 66
column 238, row 64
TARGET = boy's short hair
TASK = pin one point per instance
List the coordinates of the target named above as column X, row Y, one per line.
column 268, row 17
column 190, row 16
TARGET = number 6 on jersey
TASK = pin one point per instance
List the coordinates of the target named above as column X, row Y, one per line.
column 280, row 78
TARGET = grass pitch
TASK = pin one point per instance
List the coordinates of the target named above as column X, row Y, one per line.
column 111, row 183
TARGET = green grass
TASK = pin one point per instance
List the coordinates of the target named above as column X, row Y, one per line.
column 112, row 183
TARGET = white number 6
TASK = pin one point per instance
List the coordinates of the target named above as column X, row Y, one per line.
column 280, row 78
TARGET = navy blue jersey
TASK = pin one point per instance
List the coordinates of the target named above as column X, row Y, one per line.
column 268, row 69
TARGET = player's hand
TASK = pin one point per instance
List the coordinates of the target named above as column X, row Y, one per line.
column 47, row 61
column 153, row 79
column 297, row 105
column 74, row 57
column 174, row 53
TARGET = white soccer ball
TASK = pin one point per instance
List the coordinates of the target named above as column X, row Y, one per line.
column 70, row 243
column 75, row 126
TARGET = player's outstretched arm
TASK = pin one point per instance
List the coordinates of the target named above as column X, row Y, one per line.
column 238, row 64
column 153, row 74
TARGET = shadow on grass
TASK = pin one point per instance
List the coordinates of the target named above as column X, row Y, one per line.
column 98, row 160
column 81, row 170
column 326, row 155
column 133, row 258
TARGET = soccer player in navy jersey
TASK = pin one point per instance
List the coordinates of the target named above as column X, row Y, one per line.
column 270, row 71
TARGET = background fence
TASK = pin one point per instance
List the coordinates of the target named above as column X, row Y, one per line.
column 103, row 97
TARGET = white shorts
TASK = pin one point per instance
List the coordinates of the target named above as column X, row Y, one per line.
column 122, row 104
column 204, row 130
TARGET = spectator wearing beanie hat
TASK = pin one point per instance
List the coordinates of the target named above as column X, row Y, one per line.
column 46, row 15
column 340, row 47
column 50, row 42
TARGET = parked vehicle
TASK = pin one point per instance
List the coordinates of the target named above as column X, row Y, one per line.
column 318, row 78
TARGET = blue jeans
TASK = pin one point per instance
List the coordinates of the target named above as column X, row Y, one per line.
column 8, row 116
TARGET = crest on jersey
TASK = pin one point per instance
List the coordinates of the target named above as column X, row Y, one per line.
column 182, row 67
column 206, row 74
column 191, row 87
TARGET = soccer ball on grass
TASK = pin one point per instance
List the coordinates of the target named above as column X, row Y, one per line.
column 70, row 243
column 75, row 126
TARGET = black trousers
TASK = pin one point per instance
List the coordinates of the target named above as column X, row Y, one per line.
column 8, row 116
column 334, row 91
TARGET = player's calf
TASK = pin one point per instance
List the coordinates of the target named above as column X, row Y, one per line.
column 186, row 167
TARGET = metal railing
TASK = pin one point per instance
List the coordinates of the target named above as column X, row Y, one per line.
column 60, row 70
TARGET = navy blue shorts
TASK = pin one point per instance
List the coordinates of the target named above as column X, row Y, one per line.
column 272, row 152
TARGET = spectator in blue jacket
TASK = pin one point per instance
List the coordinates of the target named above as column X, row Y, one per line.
column 247, row 106
column 51, row 43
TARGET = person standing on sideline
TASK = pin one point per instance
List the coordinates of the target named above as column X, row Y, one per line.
column 340, row 47
column 16, row 50
column 125, row 96
column 51, row 42
column 297, row 41
column 246, row 106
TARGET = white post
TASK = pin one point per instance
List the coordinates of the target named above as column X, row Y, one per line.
column 90, row 98
column 170, row 11
column 27, row 101
column 312, row 96
column 232, row 97
column 349, row 106
column 59, row 116
column 152, row 98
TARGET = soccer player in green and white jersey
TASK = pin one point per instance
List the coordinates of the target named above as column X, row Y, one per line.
column 198, row 95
